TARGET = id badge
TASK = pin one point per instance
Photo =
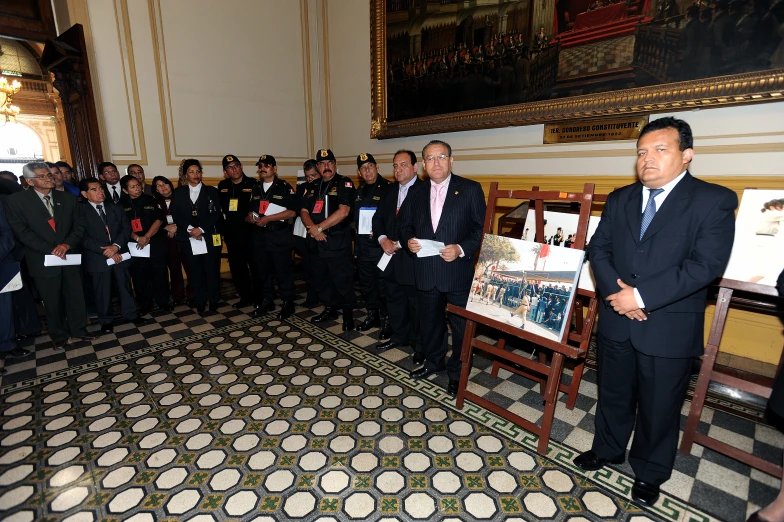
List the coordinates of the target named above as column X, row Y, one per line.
column 216, row 240
column 169, row 220
column 233, row 202
column 318, row 207
column 52, row 224
column 263, row 206
column 136, row 225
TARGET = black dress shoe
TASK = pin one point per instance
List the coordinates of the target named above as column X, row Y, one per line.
column 144, row 310
column 107, row 328
column 59, row 346
column 265, row 306
column 755, row 517
column 419, row 358
column 451, row 388
column 590, row 461
column 348, row 319
column 386, row 345
column 329, row 314
column 86, row 337
column 200, row 309
column 165, row 308
column 242, row 303
column 17, row 352
column 644, row 493
column 309, row 302
column 386, row 328
column 141, row 321
column 371, row 321
column 214, row 305
column 422, row 373
column 287, row 310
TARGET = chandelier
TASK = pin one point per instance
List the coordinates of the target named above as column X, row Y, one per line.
column 8, row 111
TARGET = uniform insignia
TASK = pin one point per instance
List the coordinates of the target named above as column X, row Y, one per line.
column 277, row 197
column 149, row 208
column 456, row 193
column 348, row 184
column 376, row 197
column 323, row 153
column 224, row 190
column 127, row 209
column 363, row 156
column 247, row 190
column 229, row 158
column 263, row 157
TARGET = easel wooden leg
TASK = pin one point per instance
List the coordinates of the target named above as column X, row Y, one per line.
column 550, row 400
column 574, row 386
column 466, row 354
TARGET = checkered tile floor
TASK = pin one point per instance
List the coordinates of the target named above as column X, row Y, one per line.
column 709, row 482
column 596, row 57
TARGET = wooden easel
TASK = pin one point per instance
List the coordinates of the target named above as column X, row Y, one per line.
column 573, row 345
column 709, row 373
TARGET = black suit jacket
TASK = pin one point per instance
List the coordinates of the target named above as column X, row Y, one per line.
column 385, row 221
column 207, row 206
column 95, row 236
column 108, row 194
column 684, row 249
column 29, row 220
column 462, row 219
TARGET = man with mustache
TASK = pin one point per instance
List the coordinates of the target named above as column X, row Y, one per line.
column 660, row 243
column 326, row 213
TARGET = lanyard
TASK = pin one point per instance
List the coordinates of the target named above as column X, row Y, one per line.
column 324, row 193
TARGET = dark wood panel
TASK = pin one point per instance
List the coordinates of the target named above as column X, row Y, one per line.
column 27, row 19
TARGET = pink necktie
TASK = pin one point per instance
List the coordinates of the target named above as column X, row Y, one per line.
column 436, row 205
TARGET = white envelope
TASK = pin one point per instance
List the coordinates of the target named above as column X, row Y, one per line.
column 198, row 247
column 70, row 259
column 136, row 252
column 125, row 257
column 366, row 220
column 273, row 209
column 430, row 248
column 14, row 284
column 299, row 228
column 384, row 261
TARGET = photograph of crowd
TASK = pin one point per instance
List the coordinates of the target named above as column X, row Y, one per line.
column 759, row 238
column 449, row 56
column 529, row 285
column 560, row 230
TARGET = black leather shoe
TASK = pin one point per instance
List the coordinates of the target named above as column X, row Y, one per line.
column 144, row 310
column 141, row 321
column 200, row 309
column 107, row 328
column 421, row 373
column 386, row 345
column 755, row 517
column 89, row 337
column 309, row 302
column 644, row 493
column 590, row 461
column 265, row 306
column 214, row 305
column 242, row 303
column 371, row 321
column 287, row 310
column 419, row 358
column 165, row 308
column 328, row 314
column 386, row 328
column 59, row 346
column 348, row 319
column 17, row 352
column 451, row 388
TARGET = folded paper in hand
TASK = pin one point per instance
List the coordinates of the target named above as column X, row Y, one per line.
column 430, row 248
column 10, row 277
column 125, row 257
column 135, row 251
column 198, row 246
column 384, row 261
column 70, row 259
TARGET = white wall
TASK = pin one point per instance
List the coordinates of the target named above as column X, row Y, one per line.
column 205, row 78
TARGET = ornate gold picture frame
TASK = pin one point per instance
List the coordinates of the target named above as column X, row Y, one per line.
column 747, row 87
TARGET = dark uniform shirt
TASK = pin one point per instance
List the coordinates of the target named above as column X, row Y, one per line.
column 145, row 208
column 368, row 196
column 234, row 220
column 322, row 198
column 275, row 234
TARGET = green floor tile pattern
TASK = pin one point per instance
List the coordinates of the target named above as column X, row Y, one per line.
column 267, row 420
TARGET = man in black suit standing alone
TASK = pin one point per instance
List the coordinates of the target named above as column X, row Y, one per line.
column 450, row 210
column 660, row 243
column 398, row 277
column 106, row 238
column 50, row 222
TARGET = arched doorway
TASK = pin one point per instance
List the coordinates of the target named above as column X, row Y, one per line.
column 19, row 144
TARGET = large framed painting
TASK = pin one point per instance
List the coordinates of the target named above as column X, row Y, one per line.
column 455, row 65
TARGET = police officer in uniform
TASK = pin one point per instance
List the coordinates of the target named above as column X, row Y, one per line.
column 305, row 245
column 235, row 193
column 272, row 203
column 149, row 274
column 366, row 246
column 326, row 213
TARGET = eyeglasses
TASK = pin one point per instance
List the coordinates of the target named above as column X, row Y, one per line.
column 44, row 176
column 440, row 157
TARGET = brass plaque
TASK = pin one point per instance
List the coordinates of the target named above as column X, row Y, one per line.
column 596, row 130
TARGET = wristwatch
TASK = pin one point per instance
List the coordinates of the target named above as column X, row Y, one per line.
column 320, row 231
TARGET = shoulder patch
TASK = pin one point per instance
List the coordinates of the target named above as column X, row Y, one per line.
column 224, row 190
column 348, row 184
column 277, row 197
column 376, row 197
column 247, row 190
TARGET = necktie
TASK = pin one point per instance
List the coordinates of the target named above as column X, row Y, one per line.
column 101, row 213
column 650, row 210
column 436, row 206
column 49, row 208
column 115, row 197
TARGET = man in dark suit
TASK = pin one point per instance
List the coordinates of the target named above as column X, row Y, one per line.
column 106, row 238
column 398, row 277
column 451, row 210
column 49, row 222
column 660, row 243
column 108, row 173
column 8, row 266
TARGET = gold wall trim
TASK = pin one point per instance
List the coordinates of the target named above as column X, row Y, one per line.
column 129, row 73
column 305, row 23
column 327, row 79
column 159, row 60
